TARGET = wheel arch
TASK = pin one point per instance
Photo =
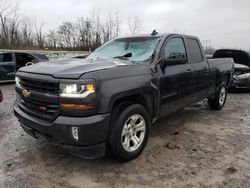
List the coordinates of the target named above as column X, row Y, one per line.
column 144, row 98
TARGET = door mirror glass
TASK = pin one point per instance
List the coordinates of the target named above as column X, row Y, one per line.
column 175, row 61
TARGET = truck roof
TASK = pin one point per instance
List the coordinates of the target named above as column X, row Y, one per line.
column 157, row 35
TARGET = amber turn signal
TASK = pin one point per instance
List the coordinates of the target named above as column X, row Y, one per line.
column 90, row 87
column 76, row 107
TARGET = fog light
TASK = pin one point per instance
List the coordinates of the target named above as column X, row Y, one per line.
column 74, row 131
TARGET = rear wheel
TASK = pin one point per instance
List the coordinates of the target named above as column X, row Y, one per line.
column 129, row 133
column 219, row 99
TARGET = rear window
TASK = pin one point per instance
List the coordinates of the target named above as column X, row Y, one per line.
column 41, row 56
column 195, row 51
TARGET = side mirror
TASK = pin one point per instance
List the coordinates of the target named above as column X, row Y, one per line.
column 174, row 61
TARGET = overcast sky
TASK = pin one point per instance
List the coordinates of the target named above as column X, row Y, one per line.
column 225, row 22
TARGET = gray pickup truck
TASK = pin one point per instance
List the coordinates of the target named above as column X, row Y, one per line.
column 108, row 101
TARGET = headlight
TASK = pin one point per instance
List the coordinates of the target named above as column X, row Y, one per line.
column 76, row 90
column 17, row 79
column 247, row 75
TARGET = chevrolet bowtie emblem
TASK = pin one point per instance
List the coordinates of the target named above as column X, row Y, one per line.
column 26, row 93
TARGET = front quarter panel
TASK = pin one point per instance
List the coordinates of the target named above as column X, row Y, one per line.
column 119, row 82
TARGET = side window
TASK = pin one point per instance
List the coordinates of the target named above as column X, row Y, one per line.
column 22, row 59
column 195, row 51
column 6, row 57
column 30, row 58
column 175, row 49
column 1, row 57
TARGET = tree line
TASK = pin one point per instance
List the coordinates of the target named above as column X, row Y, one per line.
column 85, row 33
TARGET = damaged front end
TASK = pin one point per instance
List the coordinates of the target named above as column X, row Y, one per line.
column 241, row 78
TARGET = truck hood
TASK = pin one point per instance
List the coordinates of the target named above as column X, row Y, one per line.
column 241, row 67
column 71, row 68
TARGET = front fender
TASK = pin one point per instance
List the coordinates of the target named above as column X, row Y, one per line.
column 120, row 82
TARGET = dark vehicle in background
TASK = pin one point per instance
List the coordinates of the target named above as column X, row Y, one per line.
column 241, row 78
column 82, row 56
column 1, row 95
column 108, row 101
column 10, row 62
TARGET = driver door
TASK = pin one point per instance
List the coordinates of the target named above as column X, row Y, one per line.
column 175, row 82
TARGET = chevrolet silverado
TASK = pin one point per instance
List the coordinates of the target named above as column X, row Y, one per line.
column 107, row 102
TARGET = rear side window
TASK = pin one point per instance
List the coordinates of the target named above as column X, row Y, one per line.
column 175, row 49
column 195, row 51
column 6, row 57
column 1, row 57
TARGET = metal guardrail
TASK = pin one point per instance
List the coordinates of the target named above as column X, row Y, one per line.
column 51, row 54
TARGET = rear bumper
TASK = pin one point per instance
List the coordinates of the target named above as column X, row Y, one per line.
column 92, row 131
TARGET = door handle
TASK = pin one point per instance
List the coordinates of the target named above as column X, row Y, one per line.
column 205, row 71
column 188, row 71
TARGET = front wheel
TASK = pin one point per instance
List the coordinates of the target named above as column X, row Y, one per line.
column 219, row 99
column 129, row 133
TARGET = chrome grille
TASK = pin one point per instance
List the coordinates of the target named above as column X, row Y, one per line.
column 40, row 86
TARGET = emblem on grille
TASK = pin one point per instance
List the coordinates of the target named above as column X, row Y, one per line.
column 43, row 108
column 26, row 93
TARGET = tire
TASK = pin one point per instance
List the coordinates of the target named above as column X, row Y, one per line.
column 129, row 133
column 218, row 101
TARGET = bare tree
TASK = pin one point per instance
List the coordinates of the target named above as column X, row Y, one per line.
column 81, row 31
column 14, row 28
column 134, row 24
column 96, row 28
column 6, row 11
column 27, row 32
column 52, row 39
column 107, row 28
column 111, row 27
column 117, row 23
column 17, row 31
column 40, row 37
column 66, row 33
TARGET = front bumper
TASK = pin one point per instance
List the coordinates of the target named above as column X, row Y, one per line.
column 240, row 84
column 92, row 131
column 1, row 96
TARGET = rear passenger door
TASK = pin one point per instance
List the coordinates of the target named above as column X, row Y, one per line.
column 198, row 68
column 7, row 67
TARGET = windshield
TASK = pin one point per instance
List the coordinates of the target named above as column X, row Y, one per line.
column 135, row 49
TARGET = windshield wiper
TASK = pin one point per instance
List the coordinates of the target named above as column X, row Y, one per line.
column 125, row 56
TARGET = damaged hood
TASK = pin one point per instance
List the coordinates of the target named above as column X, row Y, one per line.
column 71, row 68
column 241, row 67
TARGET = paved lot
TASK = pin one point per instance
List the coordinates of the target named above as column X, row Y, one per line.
column 195, row 147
